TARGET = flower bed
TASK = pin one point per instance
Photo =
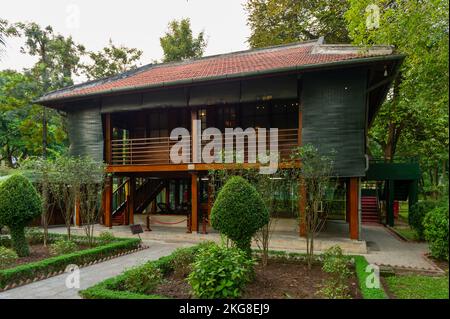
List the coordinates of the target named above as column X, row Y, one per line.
column 295, row 285
column 25, row 273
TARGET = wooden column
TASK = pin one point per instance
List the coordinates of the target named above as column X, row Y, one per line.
column 194, row 202
column 107, row 202
column 302, row 209
column 77, row 212
column 196, row 156
column 131, row 200
column 353, row 203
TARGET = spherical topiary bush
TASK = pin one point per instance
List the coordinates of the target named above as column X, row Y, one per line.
column 239, row 211
column 20, row 203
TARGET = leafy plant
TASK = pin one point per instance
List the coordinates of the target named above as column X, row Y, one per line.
column 143, row 279
column 19, row 205
column 106, row 237
column 63, row 246
column 239, row 212
column 336, row 264
column 183, row 258
column 7, row 257
column 435, row 226
column 417, row 214
column 34, row 235
column 220, row 272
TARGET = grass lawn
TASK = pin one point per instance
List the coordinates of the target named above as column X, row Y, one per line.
column 418, row 287
column 407, row 232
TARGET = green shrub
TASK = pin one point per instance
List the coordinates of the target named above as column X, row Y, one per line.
column 58, row 263
column 417, row 214
column 7, row 257
column 435, row 226
column 239, row 211
column 182, row 260
column 106, row 237
column 19, row 205
column 63, row 246
column 34, row 235
column 220, row 272
column 142, row 279
column 336, row 264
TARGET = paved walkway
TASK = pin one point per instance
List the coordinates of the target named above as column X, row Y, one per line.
column 55, row 287
column 384, row 248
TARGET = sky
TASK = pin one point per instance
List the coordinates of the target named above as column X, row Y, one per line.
column 133, row 23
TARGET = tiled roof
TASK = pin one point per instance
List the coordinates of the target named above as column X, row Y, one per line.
column 226, row 65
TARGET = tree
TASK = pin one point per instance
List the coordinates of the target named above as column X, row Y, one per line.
column 111, row 60
column 239, row 212
column 315, row 179
column 414, row 119
column 179, row 44
column 275, row 22
column 19, row 205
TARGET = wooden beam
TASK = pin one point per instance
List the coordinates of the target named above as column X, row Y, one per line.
column 353, row 207
column 186, row 167
column 194, row 202
column 107, row 198
column 108, row 137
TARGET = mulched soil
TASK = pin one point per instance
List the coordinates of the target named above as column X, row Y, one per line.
column 37, row 252
column 279, row 280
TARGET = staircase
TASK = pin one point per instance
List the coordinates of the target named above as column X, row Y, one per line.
column 369, row 210
column 144, row 195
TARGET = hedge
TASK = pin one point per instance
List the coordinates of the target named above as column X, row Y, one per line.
column 107, row 289
column 59, row 263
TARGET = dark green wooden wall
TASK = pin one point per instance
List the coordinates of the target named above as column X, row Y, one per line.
column 334, row 117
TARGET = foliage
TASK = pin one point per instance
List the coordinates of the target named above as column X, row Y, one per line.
column 239, row 211
column 417, row 214
column 315, row 178
column 220, row 272
column 106, row 237
column 336, row 264
column 111, row 60
column 7, row 257
column 418, row 287
column 278, row 22
column 58, row 263
column 19, row 204
column 414, row 119
column 182, row 261
column 178, row 43
column 362, row 274
column 63, row 246
column 435, row 226
column 142, row 279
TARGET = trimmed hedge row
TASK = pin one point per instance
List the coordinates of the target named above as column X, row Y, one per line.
column 107, row 289
column 58, row 263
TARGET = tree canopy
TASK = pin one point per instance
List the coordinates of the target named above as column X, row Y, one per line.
column 178, row 43
column 275, row 22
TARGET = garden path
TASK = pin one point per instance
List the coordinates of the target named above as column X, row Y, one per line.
column 55, row 287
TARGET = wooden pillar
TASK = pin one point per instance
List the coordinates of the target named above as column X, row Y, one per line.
column 107, row 202
column 194, row 202
column 77, row 212
column 353, row 204
column 195, row 130
column 131, row 199
column 302, row 209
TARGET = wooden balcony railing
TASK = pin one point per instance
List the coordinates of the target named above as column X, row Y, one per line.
column 156, row 150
